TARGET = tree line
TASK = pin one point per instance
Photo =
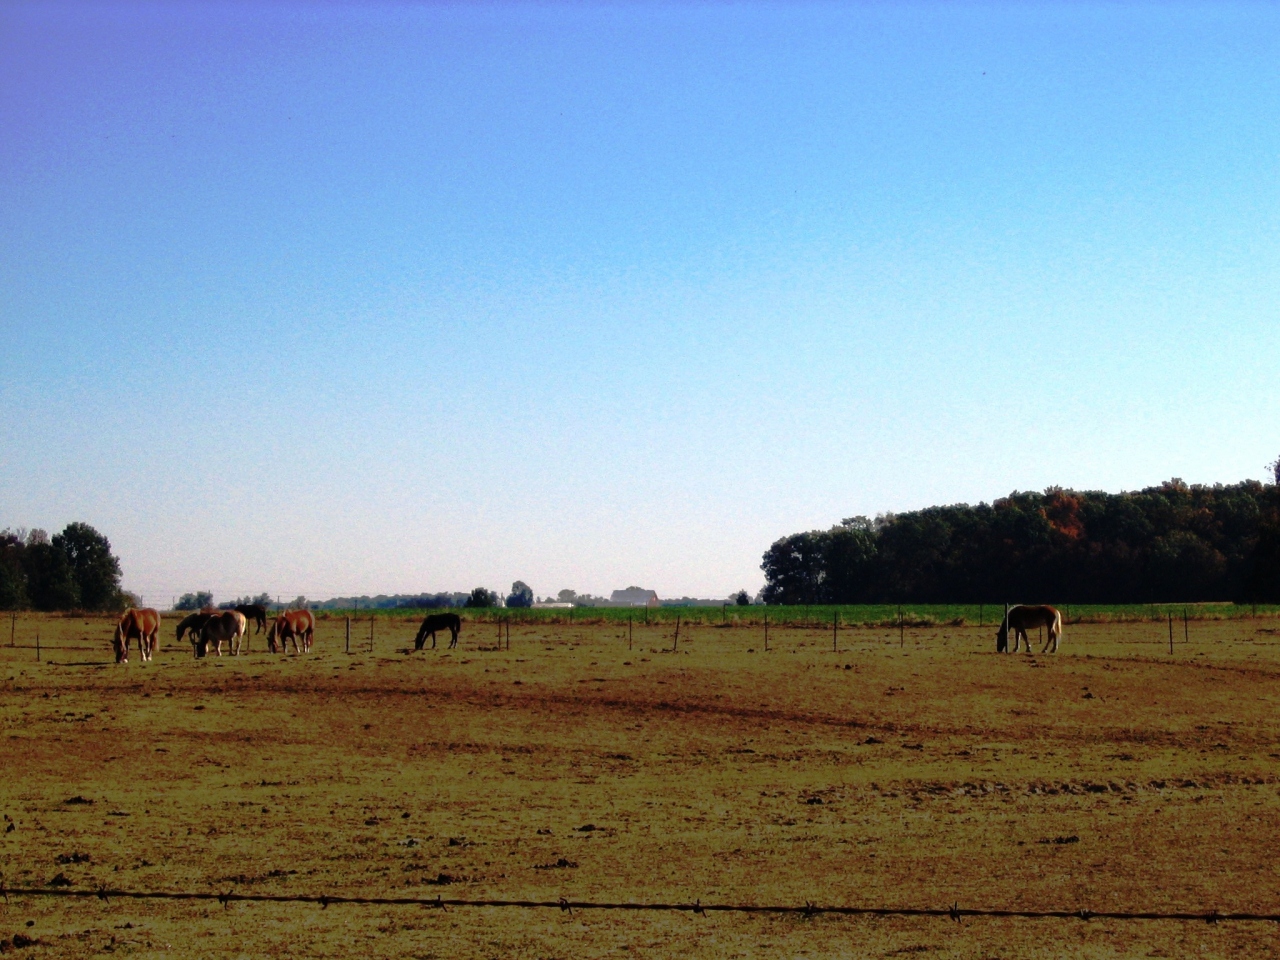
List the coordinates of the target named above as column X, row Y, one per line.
column 72, row 570
column 1171, row 543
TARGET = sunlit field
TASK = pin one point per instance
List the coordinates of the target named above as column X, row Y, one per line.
column 601, row 761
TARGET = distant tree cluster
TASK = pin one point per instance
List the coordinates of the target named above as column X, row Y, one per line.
column 261, row 600
column 1169, row 543
column 195, row 601
column 481, row 597
column 73, row 570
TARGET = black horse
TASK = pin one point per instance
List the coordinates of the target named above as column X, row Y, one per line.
column 195, row 623
column 255, row 612
column 438, row 621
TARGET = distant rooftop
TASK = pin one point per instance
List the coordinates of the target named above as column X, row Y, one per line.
column 635, row 597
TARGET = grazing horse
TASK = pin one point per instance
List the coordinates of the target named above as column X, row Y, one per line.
column 142, row 624
column 1021, row 619
column 229, row 625
column 438, row 621
column 295, row 625
column 255, row 612
column 194, row 622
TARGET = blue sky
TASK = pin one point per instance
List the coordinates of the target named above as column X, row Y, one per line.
column 390, row 297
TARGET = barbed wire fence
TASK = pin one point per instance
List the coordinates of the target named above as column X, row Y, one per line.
column 954, row 912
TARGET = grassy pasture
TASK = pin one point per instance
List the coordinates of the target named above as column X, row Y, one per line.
column 883, row 615
column 1112, row 776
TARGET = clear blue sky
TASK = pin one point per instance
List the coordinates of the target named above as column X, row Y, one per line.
column 377, row 298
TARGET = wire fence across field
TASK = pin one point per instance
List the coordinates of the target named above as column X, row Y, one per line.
column 954, row 912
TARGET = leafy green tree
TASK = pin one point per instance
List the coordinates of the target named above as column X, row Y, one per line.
column 480, row 597
column 521, row 595
column 1170, row 543
column 742, row 598
column 95, row 570
column 794, row 568
column 13, row 580
column 194, row 601
column 51, row 581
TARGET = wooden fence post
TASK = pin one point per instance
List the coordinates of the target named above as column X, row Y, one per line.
column 13, row 626
column 676, row 645
column 371, row 634
column 1170, row 633
column 348, row 634
column 37, row 644
column 835, row 625
column 766, row 633
column 629, row 616
column 1005, row 624
column 1186, row 635
column 901, row 634
column 979, row 614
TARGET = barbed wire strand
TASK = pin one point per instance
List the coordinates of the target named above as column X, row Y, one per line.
column 954, row 912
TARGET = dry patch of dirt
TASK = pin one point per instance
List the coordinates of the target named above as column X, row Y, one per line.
column 1109, row 777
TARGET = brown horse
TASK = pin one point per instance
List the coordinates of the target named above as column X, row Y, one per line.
column 295, row 625
column 140, row 624
column 1023, row 618
column 438, row 621
column 229, row 625
column 255, row 612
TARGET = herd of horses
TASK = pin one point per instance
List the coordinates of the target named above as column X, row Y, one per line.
column 210, row 629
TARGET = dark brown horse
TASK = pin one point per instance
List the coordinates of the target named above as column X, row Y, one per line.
column 1023, row 618
column 254, row 612
column 295, row 625
column 194, row 622
column 142, row 625
column 438, row 621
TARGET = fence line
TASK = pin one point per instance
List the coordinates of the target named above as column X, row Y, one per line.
column 954, row 912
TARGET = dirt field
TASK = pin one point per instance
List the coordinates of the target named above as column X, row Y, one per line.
column 1111, row 776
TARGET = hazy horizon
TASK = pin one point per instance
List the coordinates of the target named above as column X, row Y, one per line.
column 354, row 299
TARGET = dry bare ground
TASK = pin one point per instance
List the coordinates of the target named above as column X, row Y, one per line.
column 1109, row 777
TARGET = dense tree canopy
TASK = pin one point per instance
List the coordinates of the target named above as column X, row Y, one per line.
column 75, row 570
column 521, row 595
column 1168, row 543
column 481, row 597
column 195, row 601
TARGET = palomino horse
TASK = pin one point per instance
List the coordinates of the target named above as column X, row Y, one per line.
column 255, row 612
column 229, row 625
column 295, row 625
column 141, row 624
column 1021, row 619
column 438, row 621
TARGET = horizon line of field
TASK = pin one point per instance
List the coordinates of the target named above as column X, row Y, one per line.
column 809, row 909
column 802, row 615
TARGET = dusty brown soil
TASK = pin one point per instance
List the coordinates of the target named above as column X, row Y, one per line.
column 1110, row 776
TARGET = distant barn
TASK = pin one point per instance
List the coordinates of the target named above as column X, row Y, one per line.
column 634, row 597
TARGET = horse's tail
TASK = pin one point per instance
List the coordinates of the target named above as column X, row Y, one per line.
column 1057, row 624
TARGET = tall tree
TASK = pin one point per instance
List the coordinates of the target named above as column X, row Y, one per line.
column 521, row 595
column 94, row 568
